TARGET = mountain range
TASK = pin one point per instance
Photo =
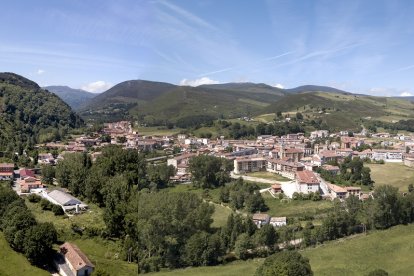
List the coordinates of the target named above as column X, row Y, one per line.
column 75, row 98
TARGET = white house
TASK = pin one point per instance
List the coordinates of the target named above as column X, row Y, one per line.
column 277, row 221
column 307, row 182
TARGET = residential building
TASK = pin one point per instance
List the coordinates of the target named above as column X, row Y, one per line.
column 388, row 155
column 6, row 171
column 278, row 221
column 251, row 164
column 71, row 261
column 261, row 219
column 336, row 191
column 29, row 183
column 307, row 182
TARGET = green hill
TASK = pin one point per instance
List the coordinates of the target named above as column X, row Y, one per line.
column 343, row 111
column 30, row 114
column 75, row 98
column 149, row 101
column 157, row 103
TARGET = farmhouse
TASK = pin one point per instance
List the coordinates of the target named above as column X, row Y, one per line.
column 337, row 191
column 277, row 221
column 71, row 261
column 261, row 219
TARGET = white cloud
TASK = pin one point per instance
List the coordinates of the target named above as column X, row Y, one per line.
column 97, row 86
column 40, row 71
column 197, row 82
column 406, row 94
column 278, row 85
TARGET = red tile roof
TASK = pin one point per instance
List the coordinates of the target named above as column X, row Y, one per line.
column 307, row 177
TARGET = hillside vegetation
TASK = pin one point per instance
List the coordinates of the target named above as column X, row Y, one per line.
column 164, row 104
column 30, row 115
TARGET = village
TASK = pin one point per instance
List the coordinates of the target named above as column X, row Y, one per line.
column 295, row 157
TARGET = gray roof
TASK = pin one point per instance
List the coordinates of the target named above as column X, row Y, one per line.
column 63, row 198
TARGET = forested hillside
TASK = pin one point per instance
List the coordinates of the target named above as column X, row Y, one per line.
column 30, row 115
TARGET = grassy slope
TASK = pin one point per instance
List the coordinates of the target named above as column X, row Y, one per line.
column 295, row 208
column 395, row 174
column 13, row 263
column 268, row 175
column 101, row 252
column 391, row 250
column 239, row 268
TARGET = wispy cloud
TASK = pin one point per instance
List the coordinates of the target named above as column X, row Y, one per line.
column 40, row 71
column 405, row 68
column 278, row 56
column 216, row 72
column 187, row 15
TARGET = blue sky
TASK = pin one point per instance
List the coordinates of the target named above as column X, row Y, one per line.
column 360, row 46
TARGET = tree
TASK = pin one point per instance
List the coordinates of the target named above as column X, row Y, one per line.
column 387, row 206
column 209, row 171
column 242, row 246
column 286, row 263
column 48, row 173
column 410, row 188
column 299, row 116
column 266, row 236
column 39, row 242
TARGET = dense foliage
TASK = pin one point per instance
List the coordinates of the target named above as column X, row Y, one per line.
column 287, row 263
column 242, row 195
column 30, row 115
column 352, row 171
column 22, row 231
column 210, row 171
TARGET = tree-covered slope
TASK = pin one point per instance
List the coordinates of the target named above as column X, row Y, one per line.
column 29, row 114
column 75, row 98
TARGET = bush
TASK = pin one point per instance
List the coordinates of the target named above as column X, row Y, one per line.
column 34, row 198
column 57, row 210
column 46, row 204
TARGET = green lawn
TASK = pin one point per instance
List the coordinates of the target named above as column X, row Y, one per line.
column 220, row 215
column 295, row 208
column 63, row 223
column 238, row 268
column 13, row 263
column 395, row 174
column 268, row 175
column 391, row 250
column 106, row 256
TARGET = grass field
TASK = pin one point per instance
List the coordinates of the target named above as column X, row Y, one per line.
column 106, row 256
column 391, row 250
column 268, row 175
column 395, row 174
column 13, row 263
column 239, row 268
column 63, row 223
column 295, row 208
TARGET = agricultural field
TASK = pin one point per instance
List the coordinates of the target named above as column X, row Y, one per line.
column 395, row 174
column 238, row 268
column 13, row 263
column 268, row 175
column 295, row 208
column 391, row 250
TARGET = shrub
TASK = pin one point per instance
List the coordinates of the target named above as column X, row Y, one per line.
column 57, row 210
column 34, row 198
column 45, row 204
